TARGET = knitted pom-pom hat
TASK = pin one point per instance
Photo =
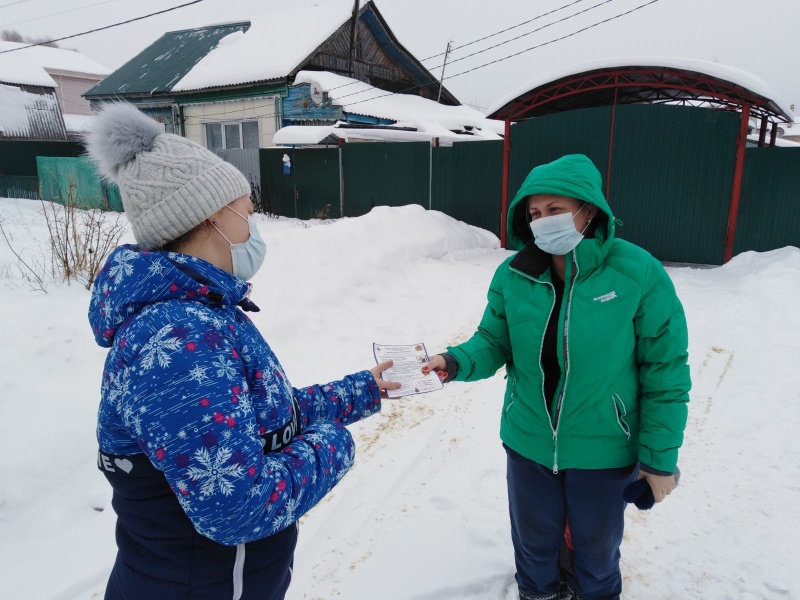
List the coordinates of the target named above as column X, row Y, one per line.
column 169, row 184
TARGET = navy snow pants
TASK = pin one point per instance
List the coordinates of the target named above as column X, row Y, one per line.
column 540, row 502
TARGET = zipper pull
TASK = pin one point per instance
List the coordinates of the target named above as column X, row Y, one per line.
column 555, row 452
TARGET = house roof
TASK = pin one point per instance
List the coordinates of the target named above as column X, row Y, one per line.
column 640, row 79
column 267, row 49
column 26, row 114
column 157, row 68
column 270, row 49
column 58, row 60
column 22, row 69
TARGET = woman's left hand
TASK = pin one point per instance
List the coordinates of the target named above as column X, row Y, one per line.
column 382, row 384
column 662, row 485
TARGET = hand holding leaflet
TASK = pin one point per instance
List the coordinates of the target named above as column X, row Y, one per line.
column 407, row 361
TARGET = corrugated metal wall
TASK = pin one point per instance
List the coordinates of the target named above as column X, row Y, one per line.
column 385, row 174
column 18, row 157
column 246, row 160
column 466, row 182
column 75, row 179
column 312, row 187
column 671, row 178
column 542, row 140
column 769, row 208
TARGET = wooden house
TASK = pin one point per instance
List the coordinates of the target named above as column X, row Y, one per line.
column 228, row 86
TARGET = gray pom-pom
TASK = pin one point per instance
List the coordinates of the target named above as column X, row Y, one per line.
column 119, row 133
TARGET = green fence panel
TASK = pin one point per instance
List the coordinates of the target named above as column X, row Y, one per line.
column 18, row 157
column 477, row 184
column 74, row 180
column 310, row 190
column 769, row 207
column 13, row 186
column 671, row 177
column 442, row 179
column 385, row 174
column 544, row 139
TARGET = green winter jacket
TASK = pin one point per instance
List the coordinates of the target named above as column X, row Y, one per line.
column 622, row 342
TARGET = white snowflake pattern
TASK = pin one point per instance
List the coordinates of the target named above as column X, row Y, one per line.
column 156, row 350
column 198, row 373
column 121, row 266
column 185, row 503
column 216, row 470
column 201, row 314
column 225, row 367
column 288, row 516
column 120, row 387
column 132, row 420
column 156, row 268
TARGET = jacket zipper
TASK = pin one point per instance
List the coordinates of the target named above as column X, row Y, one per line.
column 623, row 424
column 541, row 344
column 513, row 394
column 565, row 330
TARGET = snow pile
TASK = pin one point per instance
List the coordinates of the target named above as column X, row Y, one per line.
column 19, row 68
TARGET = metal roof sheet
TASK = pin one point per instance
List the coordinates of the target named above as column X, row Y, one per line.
column 165, row 62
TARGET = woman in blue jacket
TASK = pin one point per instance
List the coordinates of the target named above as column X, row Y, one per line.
column 211, row 453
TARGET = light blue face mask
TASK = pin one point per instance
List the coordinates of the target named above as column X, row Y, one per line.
column 557, row 234
column 248, row 256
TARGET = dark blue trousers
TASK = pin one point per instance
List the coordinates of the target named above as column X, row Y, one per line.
column 540, row 502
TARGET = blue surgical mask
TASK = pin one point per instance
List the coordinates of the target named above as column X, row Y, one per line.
column 557, row 234
column 248, row 256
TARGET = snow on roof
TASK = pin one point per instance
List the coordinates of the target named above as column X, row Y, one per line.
column 720, row 71
column 305, row 135
column 56, row 59
column 78, row 123
column 274, row 45
column 438, row 120
column 25, row 114
column 16, row 67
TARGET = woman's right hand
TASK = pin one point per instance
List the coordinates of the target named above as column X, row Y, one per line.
column 437, row 364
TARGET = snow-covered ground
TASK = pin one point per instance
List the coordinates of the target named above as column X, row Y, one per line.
column 422, row 515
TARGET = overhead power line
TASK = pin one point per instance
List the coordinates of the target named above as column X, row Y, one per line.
column 69, row 37
column 13, row 3
column 491, row 35
column 63, row 12
column 508, row 41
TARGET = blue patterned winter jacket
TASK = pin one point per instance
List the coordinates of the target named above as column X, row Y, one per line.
column 191, row 384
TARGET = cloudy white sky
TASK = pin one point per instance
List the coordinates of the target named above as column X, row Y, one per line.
column 757, row 37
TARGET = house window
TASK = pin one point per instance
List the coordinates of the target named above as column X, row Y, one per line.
column 242, row 134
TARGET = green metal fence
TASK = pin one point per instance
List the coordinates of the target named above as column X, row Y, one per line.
column 75, row 180
column 13, row 186
column 769, row 208
column 309, row 190
column 385, row 174
column 671, row 179
column 466, row 182
column 18, row 157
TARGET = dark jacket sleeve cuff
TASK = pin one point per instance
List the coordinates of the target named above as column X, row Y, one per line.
column 452, row 366
column 652, row 471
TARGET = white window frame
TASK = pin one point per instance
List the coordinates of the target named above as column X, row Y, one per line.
column 224, row 124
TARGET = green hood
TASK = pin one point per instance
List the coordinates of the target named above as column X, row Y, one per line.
column 572, row 175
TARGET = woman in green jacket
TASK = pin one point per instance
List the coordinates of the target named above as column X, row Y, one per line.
column 593, row 338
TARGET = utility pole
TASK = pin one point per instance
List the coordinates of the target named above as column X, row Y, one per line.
column 444, row 64
column 353, row 30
